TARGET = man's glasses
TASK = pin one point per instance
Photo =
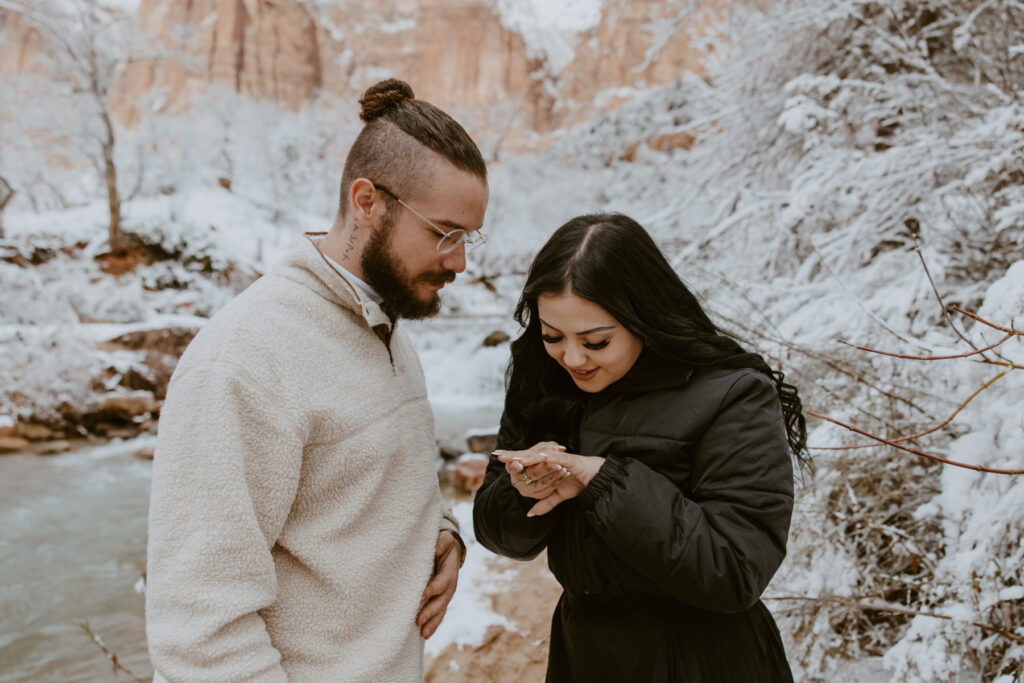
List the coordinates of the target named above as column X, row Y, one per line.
column 450, row 239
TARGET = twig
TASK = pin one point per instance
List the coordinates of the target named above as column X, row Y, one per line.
column 1005, row 364
column 856, row 300
column 936, row 428
column 112, row 656
column 827, row 362
column 850, row 602
column 975, row 316
column 935, row 290
column 912, row 357
column 930, row 456
column 859, row 408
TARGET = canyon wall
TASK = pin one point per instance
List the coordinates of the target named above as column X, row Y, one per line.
column 456, row 53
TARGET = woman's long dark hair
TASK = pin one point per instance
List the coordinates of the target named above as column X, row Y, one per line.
column 610, row 260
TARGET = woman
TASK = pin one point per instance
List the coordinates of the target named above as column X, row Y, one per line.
column 651, row 455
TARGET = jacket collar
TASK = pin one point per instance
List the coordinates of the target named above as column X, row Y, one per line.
column 653, row 371
column 306, row 265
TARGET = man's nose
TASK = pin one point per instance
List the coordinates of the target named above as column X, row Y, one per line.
column 455, row 259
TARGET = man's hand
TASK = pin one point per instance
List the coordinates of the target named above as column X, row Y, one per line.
column 441, row 587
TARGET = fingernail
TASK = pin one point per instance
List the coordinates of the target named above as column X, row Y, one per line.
column 498, row 452
column 530, row 514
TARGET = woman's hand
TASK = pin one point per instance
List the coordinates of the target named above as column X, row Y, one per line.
column 539, row 478
column 583, row 469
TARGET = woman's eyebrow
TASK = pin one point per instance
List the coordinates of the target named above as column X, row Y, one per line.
column 595, row 329
column 584, row 332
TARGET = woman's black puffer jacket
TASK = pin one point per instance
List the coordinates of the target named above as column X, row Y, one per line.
column 664, row 555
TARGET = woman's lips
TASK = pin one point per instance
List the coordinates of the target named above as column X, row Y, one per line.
column 587, row 374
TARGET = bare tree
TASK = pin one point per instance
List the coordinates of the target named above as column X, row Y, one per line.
column 6, row 194
column 88, row 56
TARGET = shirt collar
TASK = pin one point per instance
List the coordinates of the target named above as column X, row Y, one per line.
column 364, row 287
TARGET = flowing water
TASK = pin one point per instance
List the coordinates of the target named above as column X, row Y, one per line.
column 72, row 549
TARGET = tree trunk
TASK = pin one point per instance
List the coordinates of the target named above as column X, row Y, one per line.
column 6, row 194
column 116, row 240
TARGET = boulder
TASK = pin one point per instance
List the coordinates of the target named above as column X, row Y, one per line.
column 53, row 447
column 35, row 432
column 126, row 406
column 469, row 472
column 167, row 340
column 495, row 338
column 125, row 433
column 118, row 415
column 482, row 441
column 448, row 453
column 12, row 444
column 160, row 349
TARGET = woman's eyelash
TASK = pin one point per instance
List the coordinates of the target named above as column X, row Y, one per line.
column 549, row 339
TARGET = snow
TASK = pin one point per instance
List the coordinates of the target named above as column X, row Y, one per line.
column 1012, row 593
column 550, row 29
column 126, row 6
column 482, row 431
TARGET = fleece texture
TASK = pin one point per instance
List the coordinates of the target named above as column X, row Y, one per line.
column 295, row 503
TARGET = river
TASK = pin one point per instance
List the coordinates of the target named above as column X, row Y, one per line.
column 73, row 549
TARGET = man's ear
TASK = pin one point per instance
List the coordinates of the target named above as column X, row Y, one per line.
column 362, row 197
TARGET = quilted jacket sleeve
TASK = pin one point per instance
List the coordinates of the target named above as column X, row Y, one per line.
column 719, row 548
column 499, row 512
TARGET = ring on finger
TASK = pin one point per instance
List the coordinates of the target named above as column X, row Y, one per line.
column 525, row 478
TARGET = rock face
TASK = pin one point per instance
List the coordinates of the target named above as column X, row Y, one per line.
column 455, row 53
column 638, row 44
column 258, row 47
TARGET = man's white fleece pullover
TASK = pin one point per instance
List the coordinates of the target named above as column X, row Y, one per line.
column 295, row 504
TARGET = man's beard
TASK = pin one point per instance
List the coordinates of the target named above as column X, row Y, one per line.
column 398, row 290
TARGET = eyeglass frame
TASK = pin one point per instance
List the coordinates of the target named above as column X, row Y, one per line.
column 470, row 241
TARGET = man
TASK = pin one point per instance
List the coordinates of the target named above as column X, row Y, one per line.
column 296, row 528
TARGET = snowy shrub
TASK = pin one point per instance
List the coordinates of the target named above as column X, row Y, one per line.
column 854, row 134
column 27, row 300
column 43, row 370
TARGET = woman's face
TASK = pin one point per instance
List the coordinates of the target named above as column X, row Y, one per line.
column 586, row 340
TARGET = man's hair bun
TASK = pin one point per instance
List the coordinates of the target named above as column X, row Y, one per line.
column 382, row 97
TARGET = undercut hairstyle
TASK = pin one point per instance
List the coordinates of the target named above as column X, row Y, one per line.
column 402, row 140
column 610, row 260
